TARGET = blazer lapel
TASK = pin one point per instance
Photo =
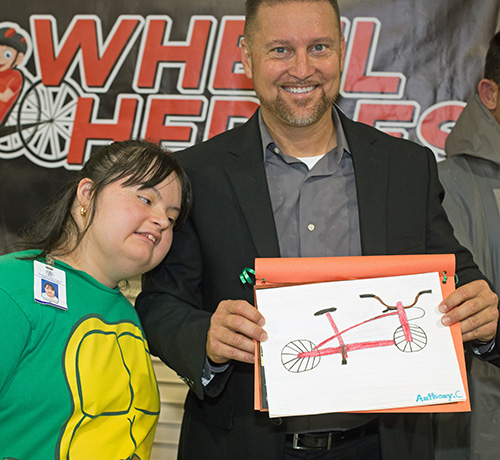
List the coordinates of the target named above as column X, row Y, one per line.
column 245, row 169
column 372, row 176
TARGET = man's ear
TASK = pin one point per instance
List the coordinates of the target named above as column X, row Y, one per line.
column 84, row 192
column 342, row 52
column 246, row 59
column 488, row 93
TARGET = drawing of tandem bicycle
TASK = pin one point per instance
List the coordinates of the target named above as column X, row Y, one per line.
column 302, row 355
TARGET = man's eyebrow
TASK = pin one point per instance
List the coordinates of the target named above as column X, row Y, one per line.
column 316, row 40
column 329, row 40
column 277, row 42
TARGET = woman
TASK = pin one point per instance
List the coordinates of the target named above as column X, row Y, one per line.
column 76, row 380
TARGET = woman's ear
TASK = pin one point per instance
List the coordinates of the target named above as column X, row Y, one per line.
column 488, row 93
column 84, row 192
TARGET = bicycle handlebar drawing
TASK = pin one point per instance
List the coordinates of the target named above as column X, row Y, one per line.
column 302, row 355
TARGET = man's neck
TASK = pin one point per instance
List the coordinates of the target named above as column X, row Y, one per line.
column 303, row 141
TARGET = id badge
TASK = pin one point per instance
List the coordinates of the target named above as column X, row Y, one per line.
column 50, row 285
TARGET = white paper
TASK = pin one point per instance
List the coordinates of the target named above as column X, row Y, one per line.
column 376, row 376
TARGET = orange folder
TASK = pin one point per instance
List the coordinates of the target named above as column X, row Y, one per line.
column 292, row 271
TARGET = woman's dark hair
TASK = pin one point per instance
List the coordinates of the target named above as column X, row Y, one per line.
column 140, row 162
column 49, row 284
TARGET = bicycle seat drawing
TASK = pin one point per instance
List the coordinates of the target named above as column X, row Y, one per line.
column 302, row 355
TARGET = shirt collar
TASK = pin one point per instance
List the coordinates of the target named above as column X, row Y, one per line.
column 342, row 145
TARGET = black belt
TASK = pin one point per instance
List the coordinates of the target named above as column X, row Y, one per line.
column 326, row 440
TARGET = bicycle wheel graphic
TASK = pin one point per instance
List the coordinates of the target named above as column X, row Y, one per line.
column 10, row 139
column 45, row 121
column 291, row 360
column 418, row 335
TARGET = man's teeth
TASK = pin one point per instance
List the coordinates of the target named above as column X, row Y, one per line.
column 152, row 238
column 299, row 90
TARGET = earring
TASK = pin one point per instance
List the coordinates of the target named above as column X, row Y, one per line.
column 83, row 211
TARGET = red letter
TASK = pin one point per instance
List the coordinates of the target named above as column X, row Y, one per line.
column 390, row 117
column 190, row 56
column 87, row 129
column 437, row 122
column 82, row 43
column 226, row 113
column 171, row 119
column 227, row 71
column 358, row 79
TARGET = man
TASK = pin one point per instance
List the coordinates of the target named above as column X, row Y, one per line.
column 471, row 178
column 471, row 174
column 298, row 179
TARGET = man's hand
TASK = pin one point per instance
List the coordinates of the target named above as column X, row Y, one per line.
column 233, row 327
column 475, row 306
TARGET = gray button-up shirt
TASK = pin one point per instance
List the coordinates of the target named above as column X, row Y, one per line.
column 316, row 215
column 315, row 210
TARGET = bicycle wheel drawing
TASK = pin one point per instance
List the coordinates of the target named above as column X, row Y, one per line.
column 291, row 360
column 45, row 121
column 10, row 139
column 418, row 335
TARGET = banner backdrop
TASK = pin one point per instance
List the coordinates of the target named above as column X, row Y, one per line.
column 170, row 71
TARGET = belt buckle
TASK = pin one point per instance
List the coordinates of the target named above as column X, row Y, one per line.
column 296, row 443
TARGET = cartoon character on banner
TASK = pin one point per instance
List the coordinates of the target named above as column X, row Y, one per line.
column 13, row 47
column 35, row 120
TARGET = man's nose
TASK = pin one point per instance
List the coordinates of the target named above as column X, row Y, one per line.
column 302, row 67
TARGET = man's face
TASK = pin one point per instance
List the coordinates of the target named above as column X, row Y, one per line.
column 9, row 57
column 295, row 58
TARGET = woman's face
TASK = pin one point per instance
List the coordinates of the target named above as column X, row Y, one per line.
column 132, row 230
column 49, row 290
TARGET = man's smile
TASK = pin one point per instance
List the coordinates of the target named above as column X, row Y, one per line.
column 299, row 89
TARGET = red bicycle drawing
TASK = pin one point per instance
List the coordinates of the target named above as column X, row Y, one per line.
column 302, row 355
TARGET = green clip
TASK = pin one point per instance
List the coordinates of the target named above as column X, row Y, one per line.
column 445, row 277
column 245, row 277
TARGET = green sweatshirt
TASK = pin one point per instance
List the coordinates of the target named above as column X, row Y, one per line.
column 75, row 384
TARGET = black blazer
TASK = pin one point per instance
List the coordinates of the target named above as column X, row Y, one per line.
column 232, row 223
